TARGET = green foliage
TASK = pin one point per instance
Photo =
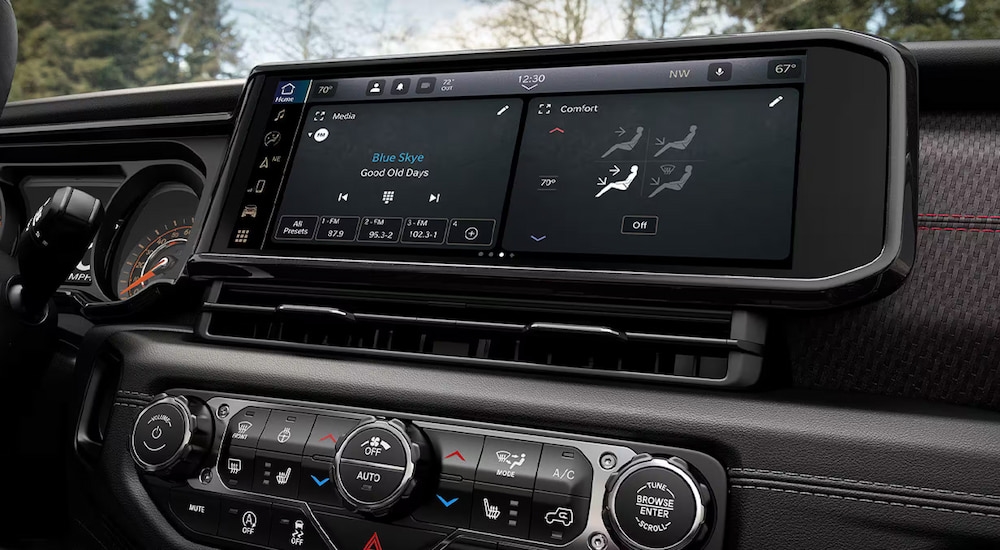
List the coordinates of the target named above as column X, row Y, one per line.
column 75, row 46
column 904, row 20
column 185, row 41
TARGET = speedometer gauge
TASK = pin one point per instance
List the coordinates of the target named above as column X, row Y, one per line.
column 151, row 244
column 158, row 255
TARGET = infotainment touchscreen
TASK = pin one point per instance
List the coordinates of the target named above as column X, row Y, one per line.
column 781, row 162
column 678, row 173
column 672, row 172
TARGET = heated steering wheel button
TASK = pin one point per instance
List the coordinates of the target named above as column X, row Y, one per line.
column 159, row 434
column 376, row 446
column 369, row 484
column 286, row 432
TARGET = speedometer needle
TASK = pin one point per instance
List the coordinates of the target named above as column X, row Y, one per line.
column 147, row 276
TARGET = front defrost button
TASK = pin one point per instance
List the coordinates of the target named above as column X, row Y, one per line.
column 245, row 428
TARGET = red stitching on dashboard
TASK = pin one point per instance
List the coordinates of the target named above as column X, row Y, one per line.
column 971, row 230
column 961, row 216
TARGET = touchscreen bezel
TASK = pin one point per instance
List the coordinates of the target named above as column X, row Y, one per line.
column 890, row 254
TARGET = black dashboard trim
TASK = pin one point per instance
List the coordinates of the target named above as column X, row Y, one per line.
column 880, row 275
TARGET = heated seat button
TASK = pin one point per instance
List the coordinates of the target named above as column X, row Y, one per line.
column 277, row 474
column 326, row 432
column 159, row 433
column 376, row 446
column 197, row 511
column 459, row 453
column 291, row 530
column 286, row 432
column 317, row 485
column 351, row 533
column 246, row 426
column 564, row 470
column 369, row 484
column 558, row 518
column 508, row 462
column 236, row 467
column 245, row 521
column 451, row 505
column 501, row 511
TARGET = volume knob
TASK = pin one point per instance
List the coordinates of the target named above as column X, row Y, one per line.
column 172, row 436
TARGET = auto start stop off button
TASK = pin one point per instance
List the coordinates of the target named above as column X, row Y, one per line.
column 655, row 504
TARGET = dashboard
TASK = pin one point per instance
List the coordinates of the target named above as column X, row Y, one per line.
column 151, row 206
column 654, row 295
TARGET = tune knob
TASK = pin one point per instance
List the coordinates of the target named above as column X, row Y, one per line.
column 172, row 436
column 378, row 465
column 655, row 504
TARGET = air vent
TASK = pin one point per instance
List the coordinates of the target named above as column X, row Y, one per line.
column 717, row 348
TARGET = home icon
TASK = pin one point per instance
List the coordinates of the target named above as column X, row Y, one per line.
column 288, row 89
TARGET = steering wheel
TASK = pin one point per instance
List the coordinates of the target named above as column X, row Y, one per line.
column 8, row 49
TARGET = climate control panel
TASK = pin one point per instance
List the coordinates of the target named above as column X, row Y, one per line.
column 283, row 474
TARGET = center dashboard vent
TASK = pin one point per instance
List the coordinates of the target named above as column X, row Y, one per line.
column 686, row 346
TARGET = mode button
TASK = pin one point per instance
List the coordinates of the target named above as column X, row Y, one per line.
column 508, row 462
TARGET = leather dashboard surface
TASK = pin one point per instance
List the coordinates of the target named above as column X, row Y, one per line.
column 938, row 337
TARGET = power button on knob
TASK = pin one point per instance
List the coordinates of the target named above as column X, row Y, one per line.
column 169, row 433
column 654, row 504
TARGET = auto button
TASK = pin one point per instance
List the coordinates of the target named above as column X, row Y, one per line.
column 369, row 484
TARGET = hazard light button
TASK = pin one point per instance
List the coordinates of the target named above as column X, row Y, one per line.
column 350, row 533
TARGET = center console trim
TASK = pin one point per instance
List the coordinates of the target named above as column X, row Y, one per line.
column 710, row 470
